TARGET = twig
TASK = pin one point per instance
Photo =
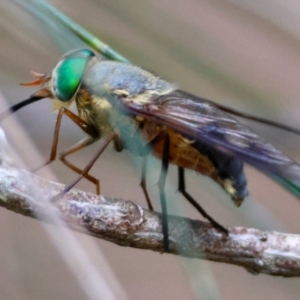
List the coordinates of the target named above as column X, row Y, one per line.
column 127, row 224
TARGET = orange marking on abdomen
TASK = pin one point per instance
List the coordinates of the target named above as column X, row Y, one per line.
column 183, row 154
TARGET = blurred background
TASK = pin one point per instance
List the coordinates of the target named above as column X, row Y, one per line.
column 239, row 53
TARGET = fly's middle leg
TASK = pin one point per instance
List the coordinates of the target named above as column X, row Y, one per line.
column 144, row 185
column 86, row 170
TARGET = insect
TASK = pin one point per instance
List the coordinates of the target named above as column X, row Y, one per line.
column 143, row 113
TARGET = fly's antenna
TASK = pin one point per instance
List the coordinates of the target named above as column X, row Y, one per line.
column 18, row 106
column 41, row 79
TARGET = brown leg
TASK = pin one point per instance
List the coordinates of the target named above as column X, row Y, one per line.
column 81, row 144
column 85, row 171
column 87, row 128
column 143, row 184
column 93, row 133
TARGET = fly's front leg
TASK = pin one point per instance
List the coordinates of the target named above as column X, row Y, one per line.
column 87, row 128
column 93, row 133
column 182, row 190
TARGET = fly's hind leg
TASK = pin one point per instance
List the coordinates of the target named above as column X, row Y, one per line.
column 163, row 136
column 162, row 194
column 190, row 199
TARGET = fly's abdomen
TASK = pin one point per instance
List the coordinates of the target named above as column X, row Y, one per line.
column 224, row 169
column 183, row 154
column 231, row 174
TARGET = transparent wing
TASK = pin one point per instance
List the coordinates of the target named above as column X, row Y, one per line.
column 201, row 119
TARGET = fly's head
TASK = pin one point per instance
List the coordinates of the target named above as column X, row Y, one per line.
column 63, row 83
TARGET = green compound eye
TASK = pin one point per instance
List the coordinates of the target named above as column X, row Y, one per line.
column 68, row 73
column 79, row 53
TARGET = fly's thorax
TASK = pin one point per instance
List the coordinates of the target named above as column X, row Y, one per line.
column 95, row 111
column 110, row 77
column 108, row 84
column 100, row 113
